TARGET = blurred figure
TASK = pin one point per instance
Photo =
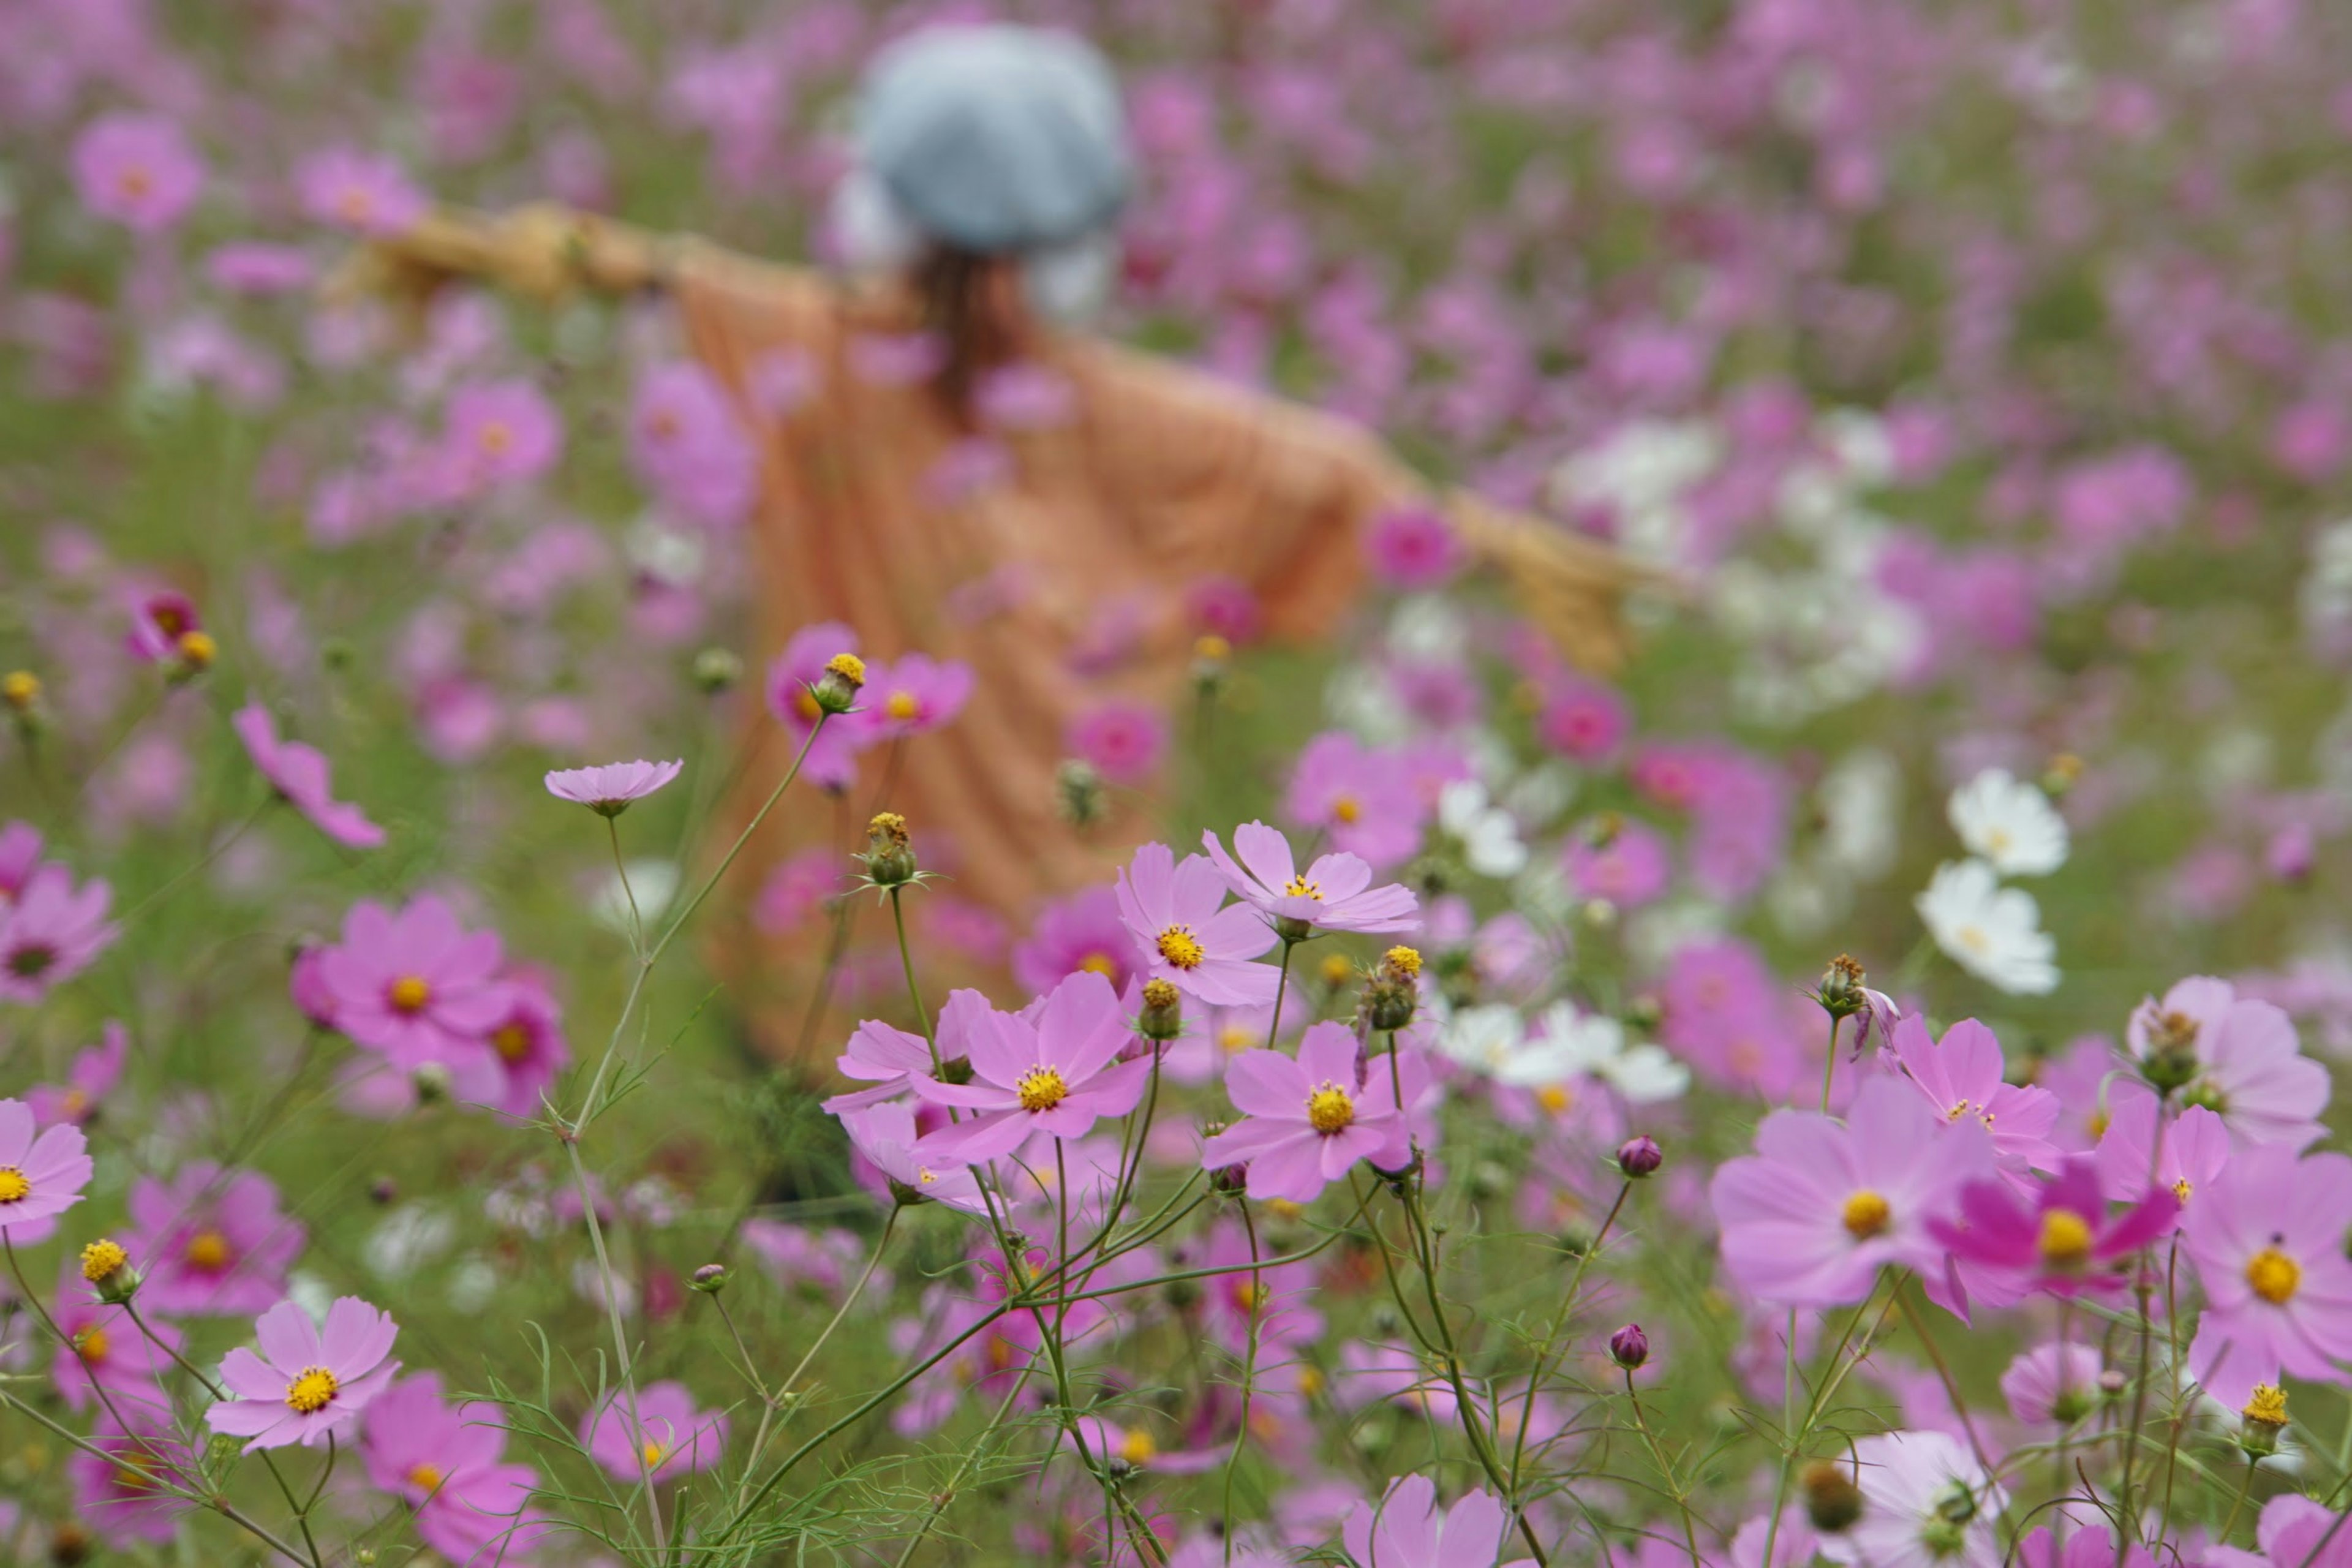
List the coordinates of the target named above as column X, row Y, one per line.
column 950, row 467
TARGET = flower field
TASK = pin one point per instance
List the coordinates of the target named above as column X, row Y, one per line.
column 495, row 1070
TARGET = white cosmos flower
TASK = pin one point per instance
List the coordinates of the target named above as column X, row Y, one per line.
column 1490, row 839
column 1593, row 1045
column 1926, row 1504
column 2010, row 824
column 1993, row 933
column 1483, row 1038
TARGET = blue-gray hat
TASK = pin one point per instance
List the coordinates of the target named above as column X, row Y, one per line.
column 997, row 138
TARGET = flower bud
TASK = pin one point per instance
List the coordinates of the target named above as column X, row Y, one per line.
column 432, row 1083
column 2112, row 1383
column 20, row 689
column 2064, row 770
column 2171, row 1061
column 1840, row 992
column 1640, row 1156
column 1211, row 656
column 889, row 857
column 716, row 669
column 710, row 1279
column 384, row 1193
column 2265, row 1418
column 1642, row 1012
column 836, row 689
column 107, row 1266
column 69, row 1546
column 1832, row 1501
column 1162, row 1017
column 1629, row 1347
column 1078, row 794
column 193, row 655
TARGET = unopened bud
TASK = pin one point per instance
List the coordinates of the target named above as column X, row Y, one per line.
column 20, row 689
column 1640, row 1156
column 1629, row 1347
column 384, row 1191
column 431, row 1082
column 2064, row 772
column 889, row 857
column 1162, row 1017
column 710, row 1279
column 1832, row 1501
column 193, row 655
column 1840, row 992
column 2265, row 1418
column 716, row 669
column 836, row 689
column 2112, row 1383
column 1078, row 794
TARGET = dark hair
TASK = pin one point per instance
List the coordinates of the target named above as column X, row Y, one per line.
column 964, row 301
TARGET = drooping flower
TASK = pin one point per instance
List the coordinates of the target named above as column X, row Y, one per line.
column 1993, row 933
column 885, row 1134
column 299, row 773
column 1306, row 1120
column 41, row 1175
column 1082, row 932
column 137, row 169
column 2237, row 1056
column 914, row 695
column 2054, row 1381
column 2065, row 1242
column 419, row 988
column 88, row 1080
column 359, row 192
column 1055, row 1075
column 1809, row 1218
column 1175, row 912
column 659, row 1429
column 307, row 1382
column 1358, row 798
column 1925, row 1504
column 1333, row 894
column 446, row 1462
column 211, row 1241
column 2009, row 824
column 2267, row 1238
column 1406, row 1529
column 609, row 788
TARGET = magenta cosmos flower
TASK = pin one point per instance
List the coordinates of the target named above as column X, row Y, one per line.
column 1123, row 740
column 609, row 788
column 1189, row 937
column 1406, row 1529
column 416, row 985
column 1961, row 1078
column 891, row 1059
column 1082, row 931
column 1054, row 1076
column 137, row 169
column 832, row 756
column 667, row 1436
column 1333, row 894
column 500, row 432
column 357, row 191
column 306, row 1382
column 51, row 932
column 1809, row 1218
column 2246, row 1063
column 159, row 623
column 122, row 1491
column 2062, row 1240
column 105, row 1351
column 1304, row 1120
column 2267, row 1238
column 528, row 1044
column 912, row 695
column 1358, row 798
column 2190, row 1148
column 41, row 1176
column 211, row 1241
column 446, row 1463
column 88, row 1080
column 1414, row 548
column 299, row 773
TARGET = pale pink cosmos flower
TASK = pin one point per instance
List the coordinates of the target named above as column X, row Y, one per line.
column 1406, row 1529
column 2267, row 1238
column 2249, row 1066
column 211, row 1241
column 1304, row 1120
column 885, row 1133
column 1335, row 893
column 1359, row 798
column 1961, row 1077
column 1053, row 1075
column 299, row 775
column 890, row 1058
column 1177, row 916
column 51, row 932
column 1912, row 1486
column 913, row 694
column 2294, row 1532
column 667, row 1434
column 120, row 1491
column 1125, row 741
column 307, row 1382
column 137, row 169
column 360, row 192
column 20, row 857
column 41, row 1176
column 609, row 789
column 1810, row 1218
column 2194, row 1146
column 256, row 267
column 88, row 1080
column 446, row 1462
column 499, row 433
column 416, row 985
column 2057, row 1382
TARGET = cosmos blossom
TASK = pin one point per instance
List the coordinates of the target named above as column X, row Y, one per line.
column 609, row 788
column 416, row 985
column 1055, row 1074
column 307, row 1381
column 1307, row 1120
column 1334, row 894
column 91, row 1076
column 2064, row 1241
column 42, row 1174
column 913, row 694
column 1176, row 913
column 51, row 931
column 2267, row 1238
column 659, row 1429
column 299, row 773
column 211, row 1241
column 446, row 1462
column 1407, row 1529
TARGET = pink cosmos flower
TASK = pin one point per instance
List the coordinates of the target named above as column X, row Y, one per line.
column 1335, row 893
column 1085, row 931
column 609, row 788
column 1911, row 1483
column 254, row 266
column 1359, row 799
column 2267, row 1238
column 2194, row 1147
column 306, row 1382
column 416, row 985
column 137, row 169
column 1961, row 1077
column 211, row 1241
column 299, row 773
column 886, row 1136
column 158, row 622
column 499, row 433
column 1406, row 1529
column 2065, row 1243
column 121, row 1492
column 2054, row 1381
column 20, row 857
column 1124, row 741
column 1415, row 547
column 529, row 1044
column 797, row 886
column 1177, row 915
column 1304, row 1120
column 1375, row 1372
column 832, row 757
column 1809, row 1219
column 1278, row 1300
column 105, row 1351
column 891, row 1059
column 51, row 932
column 667, row 1436
column 446, row 1461
column 91, row 1079
column 359, row 192
column 2293, row 1531
column 686, row 444
column 41, row 1176
column 913, row 694
column 2249, row 1066
column 1055, row 1075
column 1632, row 870
column 1582, row 720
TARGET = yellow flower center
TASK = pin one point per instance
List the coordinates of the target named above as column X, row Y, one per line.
column 511, row 1041
column 91, row 1344
column 2065, row 1237
column 847, row 666
column 13, row 1187
column 2268, row 1405
column 1311, row 1381
column 199, row 650
column 1233, row 1038
column 1138, row 1448
column 20, row 688
column 311, row 1391
column 354, row 204
column 1404, row 960
column 1300, row 888
column 1555, row 1098
column 653, row 1455
column 1249, row 1295
column 1210, row 646
column 207, row 1249
column 409, row 994
column 2096, row 1125
column 2181, row 1189
column 1974, row 939
column 924, row 1176
column 902, row 706
column 426, row 1478
column 1866, row 1215
column 1100, row 963
column 75, row 1102
column 1042, row 1089
column 1347, row 808
column 135, row 182
column 2273, row 1276
column 495, row 438
column 1180, row 947
column 100, row 1258
column 1330, row 1109
column 804, row 702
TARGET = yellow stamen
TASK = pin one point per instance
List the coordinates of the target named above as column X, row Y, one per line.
column 1404, row 960
column 495, row 438
column 1180, row 947
column 2065, row 1237
column 1555, row 1098
column 1330, row 1109
column 1212, row 647
column 1042, row 1089
column 20, row 688
column 1347, row 808
column 312, row 1390
column 207, row 1249
column 426, row 1478
column 1233, row 1038
column 2273, row 1276
column 1249, row 1295
column 1311, row 1381
column 1300, row 888
column 1866, row 1215
column 91, row 1345
column 13, row 1187
column 1100, row 963
column 2268, row 1405
column 1138, row 1448
column 847, row 666
column 197, row 650
column 2181, row 1189
column 902, row 706
column 653, row 1455
column 409, row 994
